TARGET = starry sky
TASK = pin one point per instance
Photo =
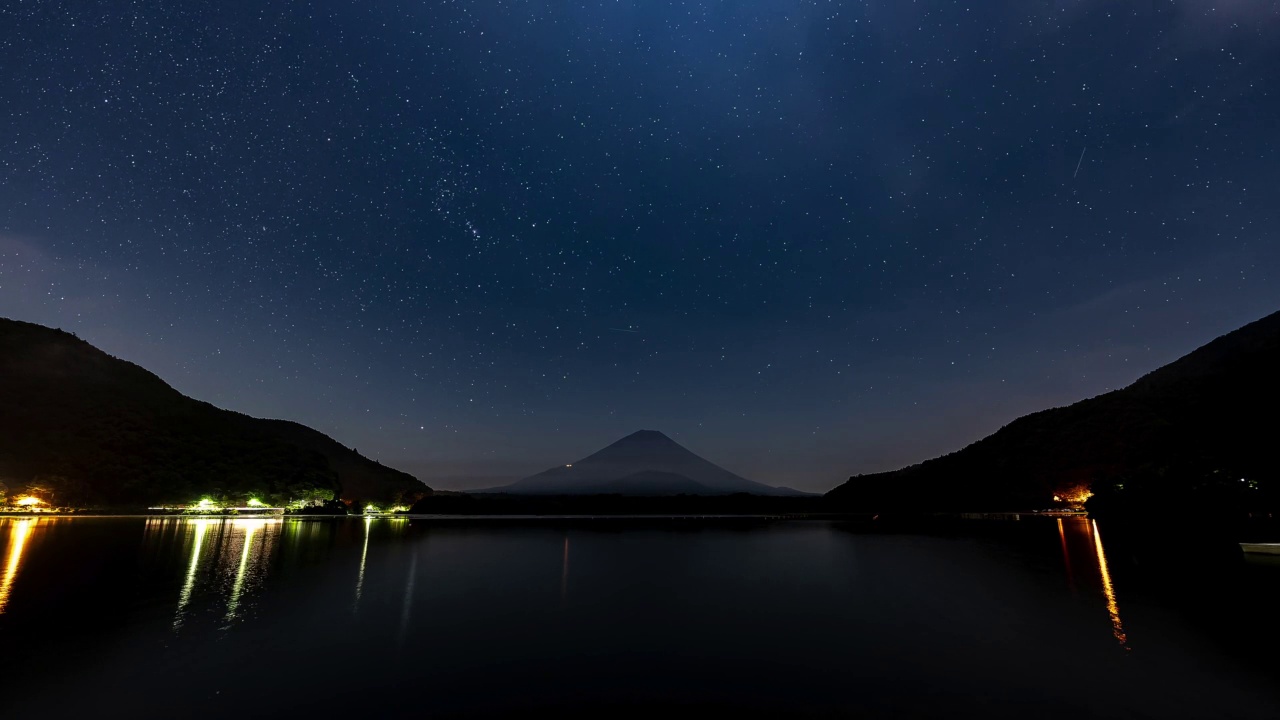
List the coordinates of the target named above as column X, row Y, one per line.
column 804, row 238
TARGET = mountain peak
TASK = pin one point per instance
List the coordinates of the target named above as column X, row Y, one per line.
column 646, row 435
column 646, row 462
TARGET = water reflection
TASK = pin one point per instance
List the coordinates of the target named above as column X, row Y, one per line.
column 155, row 535
column 19, row 531
column 199, row 528
column 231, row 553
column 1066, row 555
column 1108, row 591
column 564, row 572
column 229, row 558
column 1090, row 557
column 408, row 598
column 684, row 616
column 219, row 565
column 364, row 557
column 254, row 557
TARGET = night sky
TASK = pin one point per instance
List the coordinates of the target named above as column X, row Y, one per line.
column 806, row 239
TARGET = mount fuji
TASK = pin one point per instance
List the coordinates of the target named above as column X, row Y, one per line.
column 643, row 463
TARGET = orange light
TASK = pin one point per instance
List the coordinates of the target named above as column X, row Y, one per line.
column 29, row 500
column 1108, row 590
column 19, row 531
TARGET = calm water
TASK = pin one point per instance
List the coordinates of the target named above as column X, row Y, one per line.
column 325, row 617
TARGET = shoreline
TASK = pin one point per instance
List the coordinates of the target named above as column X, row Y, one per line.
column 1012, row 516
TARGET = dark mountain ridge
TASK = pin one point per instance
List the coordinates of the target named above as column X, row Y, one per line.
column 1208, row 420
column 646, row 462
column 106, row 431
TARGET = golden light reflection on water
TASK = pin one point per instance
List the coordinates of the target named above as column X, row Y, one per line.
column 198, row 528
column 253, row 556
column 19, row 531
column 229, row 553
column 1108, row 590
column 364, row 556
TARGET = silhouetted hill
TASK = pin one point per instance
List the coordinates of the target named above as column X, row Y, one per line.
column 642, row 463
column 103, row 430
column 1201, row 429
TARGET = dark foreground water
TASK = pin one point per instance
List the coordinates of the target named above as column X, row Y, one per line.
column 389, row 617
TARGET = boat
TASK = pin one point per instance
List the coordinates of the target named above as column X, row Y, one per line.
column 1261, row 548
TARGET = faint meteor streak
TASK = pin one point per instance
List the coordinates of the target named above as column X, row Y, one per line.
column 624, row 330
column 1077, row 172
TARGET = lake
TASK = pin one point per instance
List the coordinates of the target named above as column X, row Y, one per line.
column 170, row 617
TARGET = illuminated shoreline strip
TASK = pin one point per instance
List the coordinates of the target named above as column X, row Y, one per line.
column 1108, row 590
column 213, row 510
column 18, row 534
